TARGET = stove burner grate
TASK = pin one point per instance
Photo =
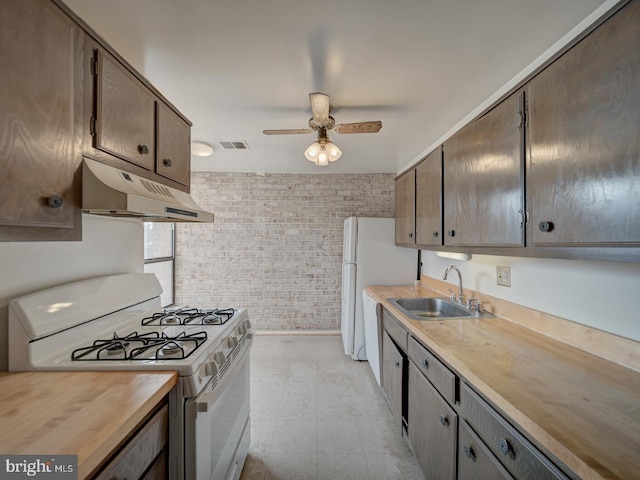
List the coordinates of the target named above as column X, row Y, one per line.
column 190, row 316
column 146, row 346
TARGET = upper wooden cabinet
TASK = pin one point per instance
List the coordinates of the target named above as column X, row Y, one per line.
column 174, row 146
column 129, row 124
column 553, row 170
column 429, row 199
column 406, row 208
column 125, row 113
column 40, row 122
column 483, row 180
column 583, row 168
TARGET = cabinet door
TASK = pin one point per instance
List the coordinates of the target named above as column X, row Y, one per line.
column 516, row 453
column 429, row 200
column 141, row 451
column 125, row 114
column 483, row 180
column 583, row 177
column 475, row 461
column 392, row 364
column 405, row 208
column 433, row 427
column 174, row 151
column 40, row 122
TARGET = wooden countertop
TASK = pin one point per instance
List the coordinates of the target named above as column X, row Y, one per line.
column 88, row 414
column 581, row 408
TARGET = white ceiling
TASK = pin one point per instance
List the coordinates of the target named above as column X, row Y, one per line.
column 236, row 67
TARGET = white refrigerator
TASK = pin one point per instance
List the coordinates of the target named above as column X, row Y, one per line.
column 370, row 257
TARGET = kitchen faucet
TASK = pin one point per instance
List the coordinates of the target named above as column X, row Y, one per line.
column 460, row 298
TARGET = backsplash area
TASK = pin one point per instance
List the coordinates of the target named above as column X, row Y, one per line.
column 109, row 246
column 276, row 244
column 600, row 295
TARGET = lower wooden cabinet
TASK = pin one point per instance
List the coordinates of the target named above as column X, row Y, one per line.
column 392, row 366
column 515, row 453
column 475, row 461
column 433, row 426
column 144, row 455
column 158, row 470
column 453, row 432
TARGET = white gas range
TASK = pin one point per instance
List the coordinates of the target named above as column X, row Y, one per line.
column 116, row 323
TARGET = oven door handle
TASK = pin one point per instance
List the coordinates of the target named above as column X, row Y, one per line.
column 205, row 401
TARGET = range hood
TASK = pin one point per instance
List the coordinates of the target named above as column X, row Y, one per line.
column 115, row 193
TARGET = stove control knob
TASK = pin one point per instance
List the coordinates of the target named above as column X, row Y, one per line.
column 232, row 342
column 218, row 357
column 210, row 369
column 241, row 330
column 247, row 324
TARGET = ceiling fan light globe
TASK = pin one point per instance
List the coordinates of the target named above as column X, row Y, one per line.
column 334, row 152
column 323, row 158
column 312, row 151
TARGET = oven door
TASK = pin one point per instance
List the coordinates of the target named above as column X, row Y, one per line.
column 217, row 426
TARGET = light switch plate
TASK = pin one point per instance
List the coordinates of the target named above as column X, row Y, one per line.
column 504, row 275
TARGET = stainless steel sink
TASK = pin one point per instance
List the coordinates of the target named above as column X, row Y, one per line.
column 434, row 308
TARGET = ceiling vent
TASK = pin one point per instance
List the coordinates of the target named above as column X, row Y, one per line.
column 241, row 145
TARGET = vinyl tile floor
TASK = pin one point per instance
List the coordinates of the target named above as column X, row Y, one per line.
column 316, row 414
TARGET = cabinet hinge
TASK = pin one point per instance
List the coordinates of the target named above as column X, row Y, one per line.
column 94, row 66
column 523, row 118
column 524, row 218
column 92, row 126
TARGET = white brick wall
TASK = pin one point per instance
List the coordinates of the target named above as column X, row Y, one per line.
column 276, row 244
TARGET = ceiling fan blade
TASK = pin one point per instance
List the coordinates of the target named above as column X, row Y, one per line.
column 319, row 107
column 287, row 132
column 359, row 127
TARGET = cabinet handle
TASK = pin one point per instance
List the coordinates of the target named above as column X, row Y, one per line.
column 166, row 162
column 545, row 226
column 435, row 234
column 54, row 201
column 397, row 364
column 451, row 233
column 425, row 363
column 411, row 235
column 469, row 453
column 444, row 420
column 143, row 149
column 505, row 448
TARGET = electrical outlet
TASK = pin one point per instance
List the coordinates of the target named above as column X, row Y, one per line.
column 504, row 275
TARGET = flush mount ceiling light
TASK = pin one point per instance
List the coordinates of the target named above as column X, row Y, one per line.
column 322, row 151
column 201, row 149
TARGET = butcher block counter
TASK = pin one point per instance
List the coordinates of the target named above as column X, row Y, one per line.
column 576, row 406
column 88, row 414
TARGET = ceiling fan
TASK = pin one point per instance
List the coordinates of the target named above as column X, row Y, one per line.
column 323, row 151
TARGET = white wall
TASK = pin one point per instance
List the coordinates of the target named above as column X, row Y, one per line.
column 108, row 246
column 574, row 33
column 603, row 295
